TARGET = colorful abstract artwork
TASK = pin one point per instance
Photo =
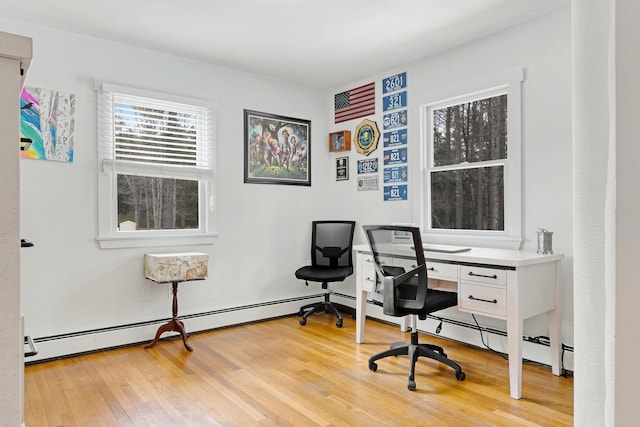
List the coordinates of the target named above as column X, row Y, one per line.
column 47, row 124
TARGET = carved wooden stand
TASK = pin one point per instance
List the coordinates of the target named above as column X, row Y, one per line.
column 173, row 325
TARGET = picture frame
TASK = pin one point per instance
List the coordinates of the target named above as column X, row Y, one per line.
column 342, row 168
column 277, row 149
column 340, row 141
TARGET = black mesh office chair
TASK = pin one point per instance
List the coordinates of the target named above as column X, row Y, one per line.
column 406, row 293
column 331, row 261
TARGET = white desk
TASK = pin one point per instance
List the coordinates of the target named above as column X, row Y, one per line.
column 503, row 284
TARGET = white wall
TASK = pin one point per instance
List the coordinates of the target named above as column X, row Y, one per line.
column 70, row 285
column 543, row 49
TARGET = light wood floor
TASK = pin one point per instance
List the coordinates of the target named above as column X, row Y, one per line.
column 278, row 373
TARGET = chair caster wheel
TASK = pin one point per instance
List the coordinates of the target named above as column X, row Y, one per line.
column 411, row 385
column 373, row 366
column 460, row 376
column 303, row 321
column 339, row 323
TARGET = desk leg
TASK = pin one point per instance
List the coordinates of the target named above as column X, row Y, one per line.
column 555, row 329
column 173, row 325
column 554, row 341
column 361, row 314
column 514, row 341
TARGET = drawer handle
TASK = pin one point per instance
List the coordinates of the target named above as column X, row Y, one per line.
column 428, row 268
column 493, row 301
column 494, row 276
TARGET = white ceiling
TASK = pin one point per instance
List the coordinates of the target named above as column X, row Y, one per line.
column 323, row 43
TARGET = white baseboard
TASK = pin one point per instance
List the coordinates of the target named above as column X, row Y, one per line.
column 70, row 344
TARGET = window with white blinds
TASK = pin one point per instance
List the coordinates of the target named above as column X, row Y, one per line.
column 157, row 162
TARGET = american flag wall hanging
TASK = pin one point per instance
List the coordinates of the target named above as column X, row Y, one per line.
column 355, row 103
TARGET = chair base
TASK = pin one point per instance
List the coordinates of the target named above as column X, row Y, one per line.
column 414, row 349
column 326, row 306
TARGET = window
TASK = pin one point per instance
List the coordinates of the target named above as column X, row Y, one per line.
column 156, row 158
column 472, row 173
column 469, row 146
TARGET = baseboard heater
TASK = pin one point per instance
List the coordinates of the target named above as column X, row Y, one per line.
column 143, row 331
column 283, row 307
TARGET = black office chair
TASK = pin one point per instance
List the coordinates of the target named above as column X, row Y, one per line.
column 331, row 261
column 406, row 293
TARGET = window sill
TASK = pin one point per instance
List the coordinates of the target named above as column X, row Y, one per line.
column 118, row 242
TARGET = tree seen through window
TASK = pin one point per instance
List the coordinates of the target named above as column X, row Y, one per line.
column 469, row 146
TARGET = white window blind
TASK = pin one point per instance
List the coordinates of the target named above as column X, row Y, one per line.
column 155, row 137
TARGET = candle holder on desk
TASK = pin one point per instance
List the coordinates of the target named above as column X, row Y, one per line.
column 545, row 241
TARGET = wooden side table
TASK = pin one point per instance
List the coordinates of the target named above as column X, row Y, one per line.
column 174, row 268
column 173, row 325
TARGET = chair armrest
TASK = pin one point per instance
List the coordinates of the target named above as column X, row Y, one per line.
column 390, row 302
column 399, row 280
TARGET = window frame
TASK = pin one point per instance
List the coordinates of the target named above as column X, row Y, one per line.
column 109, row 236
column 510, row 83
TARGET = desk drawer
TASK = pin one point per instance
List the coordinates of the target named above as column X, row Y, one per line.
column 491, row 276
column 483, row 299
column 368, row 278
column 443, row 271
column 365, row 261
column 435, row 270
column 366, row 272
